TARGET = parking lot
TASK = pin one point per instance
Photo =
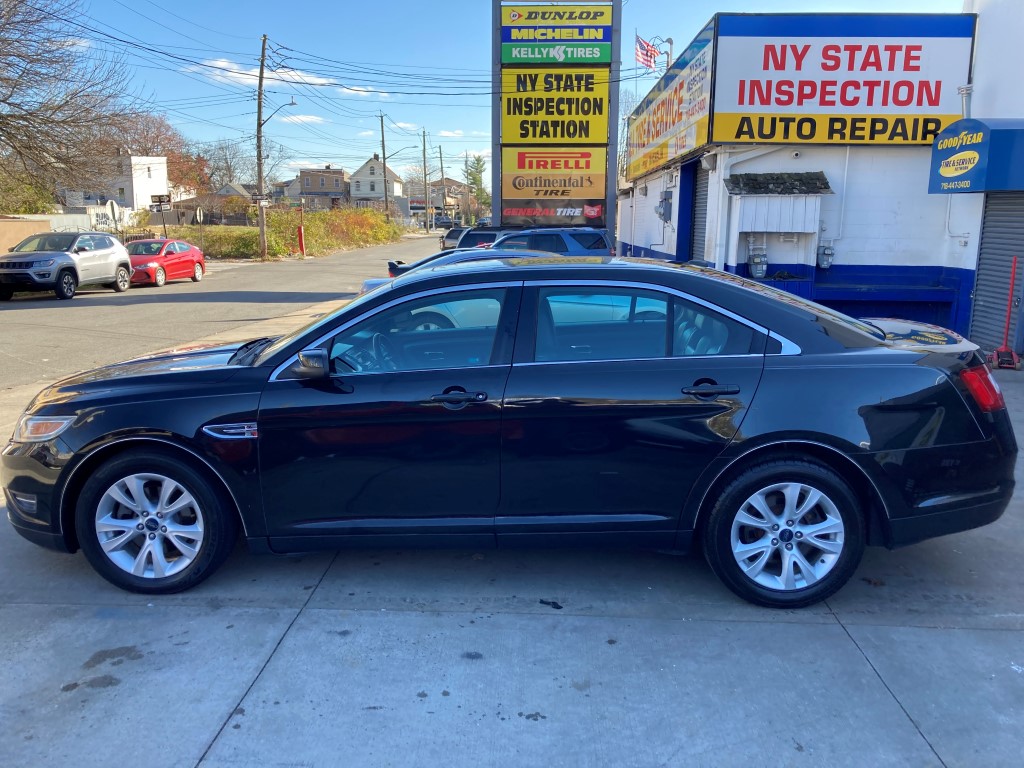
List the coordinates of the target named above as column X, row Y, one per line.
column 383, row 657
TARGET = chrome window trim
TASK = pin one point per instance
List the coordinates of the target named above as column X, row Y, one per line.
column 388, row 305
column 788, row 347
column 639, row 359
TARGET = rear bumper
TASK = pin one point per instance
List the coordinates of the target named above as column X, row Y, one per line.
column 911, row 530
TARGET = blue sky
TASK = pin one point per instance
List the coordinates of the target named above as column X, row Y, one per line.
column 426, row 66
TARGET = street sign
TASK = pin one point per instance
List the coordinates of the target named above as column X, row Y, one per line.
column 263, row 203
column 160, row 199
column 258, row 198
column 115, row 211
column 160, row 207
column 199, row 215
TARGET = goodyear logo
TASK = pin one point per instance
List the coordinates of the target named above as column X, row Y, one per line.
column 958, row 164
column 964, row 139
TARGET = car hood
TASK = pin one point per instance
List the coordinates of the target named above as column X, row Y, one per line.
column 32, row 255
column 138, row 261
column 197, row 363
column 911, row 334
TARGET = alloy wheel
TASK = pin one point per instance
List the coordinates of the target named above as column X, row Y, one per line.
column 149, row 525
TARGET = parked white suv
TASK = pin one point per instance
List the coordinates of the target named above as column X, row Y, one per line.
column 63, row 261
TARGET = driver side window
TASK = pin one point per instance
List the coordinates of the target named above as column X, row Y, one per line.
column 450, row 330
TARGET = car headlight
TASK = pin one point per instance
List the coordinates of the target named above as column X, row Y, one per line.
column 38, row 429
column 44, row 263
column 151, row 265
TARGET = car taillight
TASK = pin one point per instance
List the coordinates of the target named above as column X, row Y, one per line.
column 983, row 388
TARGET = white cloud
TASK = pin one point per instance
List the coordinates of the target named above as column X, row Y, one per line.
column 315, row 119
column 358, row 90
column 406, row 126
column 227, row 71
column 451, row 134
column 366, row 133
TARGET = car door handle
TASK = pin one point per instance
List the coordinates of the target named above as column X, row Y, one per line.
column 458, row 398
column 711, row 391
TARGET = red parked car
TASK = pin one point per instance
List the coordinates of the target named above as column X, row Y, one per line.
column 157, row 261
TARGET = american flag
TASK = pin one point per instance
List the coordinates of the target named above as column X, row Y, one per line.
column 646, row 53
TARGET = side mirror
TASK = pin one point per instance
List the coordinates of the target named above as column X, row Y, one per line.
column 11, row 249
column 314, row 364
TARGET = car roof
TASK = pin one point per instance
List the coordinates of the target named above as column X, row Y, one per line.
column 155, row 240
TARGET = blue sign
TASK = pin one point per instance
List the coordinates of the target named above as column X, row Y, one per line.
column 978, row 156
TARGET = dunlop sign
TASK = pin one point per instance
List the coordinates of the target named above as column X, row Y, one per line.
column 554, row 106
column 553, row 172
column 571, row 34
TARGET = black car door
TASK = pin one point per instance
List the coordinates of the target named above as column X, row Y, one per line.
column 404, row 437
column 621, row 398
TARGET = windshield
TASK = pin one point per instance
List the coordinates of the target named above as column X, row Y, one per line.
column 473, row 239
column 282, row 342
column 48, row 242
column 144, row 248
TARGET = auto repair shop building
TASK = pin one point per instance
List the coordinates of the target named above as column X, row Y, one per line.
column 797, row 149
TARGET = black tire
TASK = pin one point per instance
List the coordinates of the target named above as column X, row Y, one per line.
column 206, row 524
column 6, row 293
column 160, row 277
column 66, row 285
column 122, row 280
column 428, row 321
column 197, row 272
column 806, row 574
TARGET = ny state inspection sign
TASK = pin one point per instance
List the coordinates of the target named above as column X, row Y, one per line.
column 568, row 105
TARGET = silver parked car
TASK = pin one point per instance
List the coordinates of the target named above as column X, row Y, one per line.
column 62, row 262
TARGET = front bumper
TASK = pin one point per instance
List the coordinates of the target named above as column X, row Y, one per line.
column 143, row 275
column 29, row 280
column 29, row 477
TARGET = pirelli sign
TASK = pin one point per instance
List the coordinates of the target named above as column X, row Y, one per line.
column 555, row 112
column 555, row 172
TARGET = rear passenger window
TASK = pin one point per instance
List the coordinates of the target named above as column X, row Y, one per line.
column 698, row 331
column 516, row 243
column 603, row 324
column 592, row 241
column 551, row 243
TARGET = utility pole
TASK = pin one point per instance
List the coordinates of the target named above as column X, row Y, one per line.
column 426, row 186
column 444, row 185
column 384, row 158
column 465, row 193
column 261, row 212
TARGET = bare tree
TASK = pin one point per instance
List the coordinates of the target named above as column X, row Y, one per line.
column 228, row 163
column 59, row 97
column 148, row 134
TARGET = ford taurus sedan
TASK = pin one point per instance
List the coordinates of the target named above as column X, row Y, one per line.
column 618, row 403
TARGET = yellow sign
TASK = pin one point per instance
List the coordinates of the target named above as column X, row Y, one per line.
column 568, row 105
column 959, row 163
column 556, row 15
column 545, row 171
column 826, row 129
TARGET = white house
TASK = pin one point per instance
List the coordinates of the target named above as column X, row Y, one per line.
column 136, row 179
column 367, row 183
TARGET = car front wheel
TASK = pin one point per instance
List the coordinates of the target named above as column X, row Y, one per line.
column 160, row 277
column 6, row 293
column 66, row 286
column 785, row 534
column 122, row 279
column 197, row 272
column 150, row 523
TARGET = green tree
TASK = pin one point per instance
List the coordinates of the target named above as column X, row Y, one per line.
column 20, row 192
column 474, row 174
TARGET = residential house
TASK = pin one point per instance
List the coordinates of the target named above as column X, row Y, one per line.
column 367, row 183
column 325, row 187
column 134, row 181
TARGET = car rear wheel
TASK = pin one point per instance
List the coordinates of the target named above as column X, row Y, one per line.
column 160, row 278
column 66, row 286
column 6, row 293
column 122, row 279
column 150, row 523
column 785, row 534
column 197, row 272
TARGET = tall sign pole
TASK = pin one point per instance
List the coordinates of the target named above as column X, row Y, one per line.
column 496, row 112
column 611, row 180
column 426, row 187
column 261, row 212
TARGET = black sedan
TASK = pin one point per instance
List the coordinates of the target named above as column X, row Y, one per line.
column 602, row 402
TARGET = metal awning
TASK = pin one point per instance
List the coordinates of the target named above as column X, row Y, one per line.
column 978, row 156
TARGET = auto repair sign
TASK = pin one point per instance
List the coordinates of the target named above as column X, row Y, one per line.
column 839, row 79
column 554, row 106
column 556, row 34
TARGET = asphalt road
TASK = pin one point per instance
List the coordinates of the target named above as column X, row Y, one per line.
column 486, row 658
column 42, row 339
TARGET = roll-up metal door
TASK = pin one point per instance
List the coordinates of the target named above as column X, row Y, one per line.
column 700, row 213
column 1002, row 238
